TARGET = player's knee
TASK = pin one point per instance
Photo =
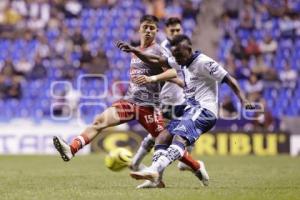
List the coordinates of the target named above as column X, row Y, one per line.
column 163, row 138
column 148, row 142
column 180, row 139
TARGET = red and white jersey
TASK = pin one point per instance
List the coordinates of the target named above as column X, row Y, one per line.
column 147, row 93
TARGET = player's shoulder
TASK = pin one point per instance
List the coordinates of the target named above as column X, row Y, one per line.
column 166, row 47
column 160, row 47
column 159, row 50
column 210, row 66
column 203, row 60
column 172, row 62
column 165, row 43
column 155, row 48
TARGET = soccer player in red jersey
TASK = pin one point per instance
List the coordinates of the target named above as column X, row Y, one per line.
column 140, row 103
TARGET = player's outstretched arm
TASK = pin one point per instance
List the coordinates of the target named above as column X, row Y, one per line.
column 233, row 84
column 153, row 60
column 164, row 76
column 177, row 81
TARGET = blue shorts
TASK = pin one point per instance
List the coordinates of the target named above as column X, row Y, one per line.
column 196, row 120
column 173, row 111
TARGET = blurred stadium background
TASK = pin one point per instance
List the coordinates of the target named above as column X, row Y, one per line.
column 59, row 67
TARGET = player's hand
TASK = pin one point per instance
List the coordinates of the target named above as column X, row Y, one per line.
column 123, row 46
column 142, row 79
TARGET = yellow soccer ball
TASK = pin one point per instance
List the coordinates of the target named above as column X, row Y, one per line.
column 118, row 159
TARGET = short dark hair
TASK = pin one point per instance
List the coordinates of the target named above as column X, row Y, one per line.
column 172, row 21
column 150, row 18
column 179, row 38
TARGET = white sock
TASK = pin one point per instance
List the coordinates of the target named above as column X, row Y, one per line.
column 173, row 153
column 145, row 147
column 157, row 154
column 161, row 164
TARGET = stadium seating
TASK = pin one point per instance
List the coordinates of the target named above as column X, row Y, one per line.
column 105, row 25
column 108, row 25
column 280, row 101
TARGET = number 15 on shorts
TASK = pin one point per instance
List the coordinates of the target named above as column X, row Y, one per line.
column 150, row 118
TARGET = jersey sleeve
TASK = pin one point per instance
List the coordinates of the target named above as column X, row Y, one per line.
column 213, row 69
column 165, row 53
column 158, row 50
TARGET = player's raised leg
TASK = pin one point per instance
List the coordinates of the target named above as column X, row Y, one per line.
column 187, row 160
column 181, row 165
column 196, row 121
column 162, row 143
column 106, row 119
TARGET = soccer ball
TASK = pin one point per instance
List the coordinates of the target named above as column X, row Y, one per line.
column 118, row 159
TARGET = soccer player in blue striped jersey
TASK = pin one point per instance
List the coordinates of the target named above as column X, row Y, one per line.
column 171, row 93
column 201, row 76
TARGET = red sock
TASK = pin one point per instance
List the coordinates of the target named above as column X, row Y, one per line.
column 79, row 142
column 190, row 161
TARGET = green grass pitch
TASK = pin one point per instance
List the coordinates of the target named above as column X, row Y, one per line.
column 85, row 177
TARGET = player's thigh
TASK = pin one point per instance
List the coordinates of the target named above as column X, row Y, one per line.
column 126, row 110
column 171, row 112
column 173, row 125
column 181, row 139
column 151, row 120
column 164, row 137
column 195, row 122
column 107, row 118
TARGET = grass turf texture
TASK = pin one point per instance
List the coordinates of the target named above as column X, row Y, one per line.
column 86, row 177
